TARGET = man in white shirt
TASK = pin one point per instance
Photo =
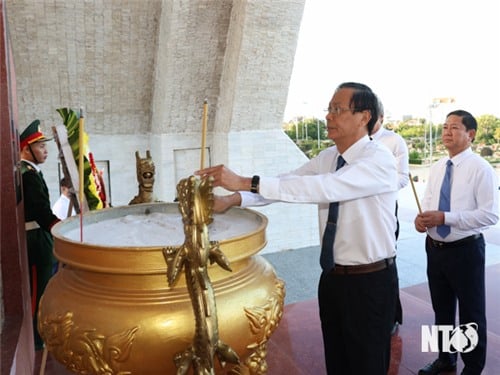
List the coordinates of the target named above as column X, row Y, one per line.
column 357, row 288
column 453, row 219
column 61, row 206
column 397, row 145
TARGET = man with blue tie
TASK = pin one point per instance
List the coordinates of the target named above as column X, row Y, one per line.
column 461, row 200
column 38, row 216
column 355, row 185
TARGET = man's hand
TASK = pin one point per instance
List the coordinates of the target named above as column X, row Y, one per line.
column 223, row 203
column 419, row 226
column 226, row 178
column 428, row 219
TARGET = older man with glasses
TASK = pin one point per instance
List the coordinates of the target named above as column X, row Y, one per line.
column 355, row 185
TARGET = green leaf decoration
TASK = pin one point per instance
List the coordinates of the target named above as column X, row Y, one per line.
column 71, row 121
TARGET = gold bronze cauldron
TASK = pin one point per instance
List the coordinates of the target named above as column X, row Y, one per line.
column 109, row 309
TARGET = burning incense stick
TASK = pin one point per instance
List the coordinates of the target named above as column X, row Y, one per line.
column 203, row 133
column 80, row 168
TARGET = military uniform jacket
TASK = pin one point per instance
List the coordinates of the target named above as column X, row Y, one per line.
column 37, row 208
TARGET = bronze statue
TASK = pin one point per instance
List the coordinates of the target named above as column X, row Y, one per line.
column 145, row 177
column 195, row 204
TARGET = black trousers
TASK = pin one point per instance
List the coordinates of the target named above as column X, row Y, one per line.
column 357, row 314
column 41, row 263
column 398, row 307
column 398, row 318
column 457, row 275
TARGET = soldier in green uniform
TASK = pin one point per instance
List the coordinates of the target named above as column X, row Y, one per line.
column 38, row 216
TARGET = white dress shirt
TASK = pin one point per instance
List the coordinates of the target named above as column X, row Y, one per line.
column 397, row 145
column 474, row 195
column 366, row 189
column 61, row 207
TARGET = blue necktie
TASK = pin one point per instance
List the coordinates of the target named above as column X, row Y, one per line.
column 326, row 258
column 444, row 199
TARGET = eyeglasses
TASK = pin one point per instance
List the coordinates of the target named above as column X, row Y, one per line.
column 337, row 110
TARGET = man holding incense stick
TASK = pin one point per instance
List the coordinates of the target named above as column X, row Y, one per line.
column 460, row 201
column 355, row 186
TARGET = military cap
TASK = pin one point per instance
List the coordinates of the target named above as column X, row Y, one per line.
column 32, row 134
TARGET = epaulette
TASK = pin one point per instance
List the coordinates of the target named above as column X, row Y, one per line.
column 25, row 167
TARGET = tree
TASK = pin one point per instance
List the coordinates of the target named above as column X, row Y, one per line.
column 487, row 126
column 302, row 128
column 414, row 131
column 486, row 151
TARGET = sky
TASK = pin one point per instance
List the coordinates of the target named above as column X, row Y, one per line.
column 408, row 52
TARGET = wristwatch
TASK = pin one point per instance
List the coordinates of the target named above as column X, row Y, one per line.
column 255, row 184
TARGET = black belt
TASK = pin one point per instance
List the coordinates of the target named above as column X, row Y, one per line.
column 362, row 268
column 457, row 243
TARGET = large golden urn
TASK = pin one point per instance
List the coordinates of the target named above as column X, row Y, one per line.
column 109, row 308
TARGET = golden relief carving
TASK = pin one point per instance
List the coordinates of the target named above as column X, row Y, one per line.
column 86, row 351
column 195, row 205
column 263, row 321
column 145, row 177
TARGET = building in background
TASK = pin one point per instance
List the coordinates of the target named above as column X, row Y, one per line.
column 142, row 70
